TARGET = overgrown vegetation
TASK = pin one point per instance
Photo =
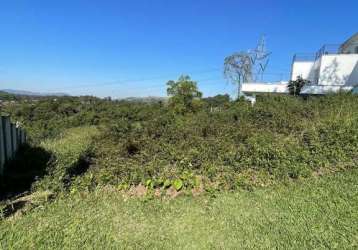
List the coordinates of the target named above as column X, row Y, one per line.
column 89, row 156
column 219, row 144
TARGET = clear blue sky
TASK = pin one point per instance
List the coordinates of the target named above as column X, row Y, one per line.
column 89, row 47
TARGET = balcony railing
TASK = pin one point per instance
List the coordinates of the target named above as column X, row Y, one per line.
column 304, row 57
column 327, row 49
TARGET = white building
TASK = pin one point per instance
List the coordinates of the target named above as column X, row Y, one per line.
column 333, row 68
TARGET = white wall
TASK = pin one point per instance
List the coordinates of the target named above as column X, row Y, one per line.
column 303, row 69
column 315, row 71
column 339, row 69
column 250, row 88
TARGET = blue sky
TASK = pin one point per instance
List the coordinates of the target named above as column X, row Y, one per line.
column 132, row 48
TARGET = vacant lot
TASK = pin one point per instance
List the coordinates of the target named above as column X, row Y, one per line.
column 282, row 174
column 219, row 144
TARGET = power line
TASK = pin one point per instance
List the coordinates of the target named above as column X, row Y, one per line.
column 164, row 85
column 162, row 77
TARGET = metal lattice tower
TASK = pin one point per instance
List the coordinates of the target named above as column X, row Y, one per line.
column 259, row 59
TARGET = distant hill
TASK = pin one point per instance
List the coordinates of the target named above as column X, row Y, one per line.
column 148, row 99
column 29, row 93
column 4, row 96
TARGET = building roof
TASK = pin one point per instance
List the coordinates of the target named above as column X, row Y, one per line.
column 352, row 39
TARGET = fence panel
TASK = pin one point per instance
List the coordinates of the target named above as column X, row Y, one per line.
column 11, row 138
column 2, row 148
column 7, row 137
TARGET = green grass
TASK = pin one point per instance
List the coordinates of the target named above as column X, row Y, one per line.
column 316, row 214
column 68, row 152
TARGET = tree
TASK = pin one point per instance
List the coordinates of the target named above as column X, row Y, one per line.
column 184, row 94
column 295, row 86
column 238, row 69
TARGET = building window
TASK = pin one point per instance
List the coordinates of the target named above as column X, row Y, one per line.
column 356, row 50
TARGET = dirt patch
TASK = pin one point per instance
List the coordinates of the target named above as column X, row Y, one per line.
column 197, row 191
column 172, row 193
column 139, row 191
column 158, row 193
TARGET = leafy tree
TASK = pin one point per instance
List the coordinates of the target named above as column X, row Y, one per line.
column 294, row 87
column 184, row 95
column 238, row 69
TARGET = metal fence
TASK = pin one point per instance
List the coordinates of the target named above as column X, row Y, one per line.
column 304, row 57
column 327, row 49
column 11, row 138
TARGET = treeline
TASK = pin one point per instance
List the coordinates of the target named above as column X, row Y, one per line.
column 4, row 96
column 49, row 116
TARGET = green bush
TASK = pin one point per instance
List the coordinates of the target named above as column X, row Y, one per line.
column 283, row 136
column 280, row 138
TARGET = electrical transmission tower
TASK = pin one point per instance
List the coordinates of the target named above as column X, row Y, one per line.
column 260, row 58
column 244, row 67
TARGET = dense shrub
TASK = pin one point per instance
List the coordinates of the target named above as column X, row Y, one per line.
column 281, row 137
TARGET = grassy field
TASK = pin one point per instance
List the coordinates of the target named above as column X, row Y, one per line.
column 319, row 213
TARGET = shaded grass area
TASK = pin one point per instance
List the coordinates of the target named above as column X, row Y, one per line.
column 319, row 213
column 29, row 164
column 71, row 150
column 51, row 165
